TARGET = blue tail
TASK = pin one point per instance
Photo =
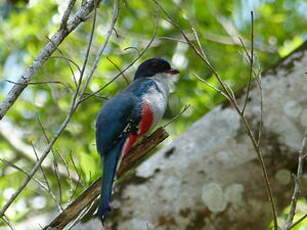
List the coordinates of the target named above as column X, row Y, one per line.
column 110, row 161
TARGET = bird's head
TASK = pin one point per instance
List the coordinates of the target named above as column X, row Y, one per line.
column 154, row 67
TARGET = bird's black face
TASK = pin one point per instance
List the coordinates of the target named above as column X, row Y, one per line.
column 154, row 66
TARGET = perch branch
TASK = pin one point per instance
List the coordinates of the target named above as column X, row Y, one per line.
column 90, row 194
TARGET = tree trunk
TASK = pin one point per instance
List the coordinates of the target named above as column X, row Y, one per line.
column 210, row 177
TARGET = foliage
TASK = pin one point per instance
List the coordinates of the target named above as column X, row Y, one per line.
column 279, row 28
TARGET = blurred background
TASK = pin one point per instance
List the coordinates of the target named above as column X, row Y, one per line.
column 279, row 27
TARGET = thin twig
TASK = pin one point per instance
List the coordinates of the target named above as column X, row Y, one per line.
column 81, row 215
column 173, row 39
column 37, row 83
column 251, row 63
column 69, row 61
column 43, row 129
column 260, row 128
column 298, row 221
column 245, row 49
column 79, row 176
column 37, row 158
column 199, row 44
column 211, row 86
column 41, row 184
column 115, row 14
column 22, row 150
column 246, row 55
column 66, row 165
column 49, row 190
column 38, row 164
column 185, row 108
column 297, row 180
column 259, row 84
column 118, row 68
column 7, row 222
column 97, row 96
column 42, row 170
column 55, row 165
column 132, row 47
column 191, row 44
column 86, row 59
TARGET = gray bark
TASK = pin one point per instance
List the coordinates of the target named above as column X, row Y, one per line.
column 209, row 177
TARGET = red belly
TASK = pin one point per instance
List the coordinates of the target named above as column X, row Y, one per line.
column 144, row 126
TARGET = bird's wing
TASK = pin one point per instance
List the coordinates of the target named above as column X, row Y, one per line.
column 117, row 118
column 115, row 121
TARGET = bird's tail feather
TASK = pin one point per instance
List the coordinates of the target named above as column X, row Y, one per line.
column 109, row 169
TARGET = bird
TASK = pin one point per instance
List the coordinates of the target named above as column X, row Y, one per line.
column 126, row 117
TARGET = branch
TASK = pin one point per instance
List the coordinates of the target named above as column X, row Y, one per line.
column 7, row 222
column 65, row 29
column 251, row 63
column 67, row 13
column 90, row 194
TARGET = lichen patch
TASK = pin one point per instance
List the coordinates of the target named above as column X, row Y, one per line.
column 213, row 197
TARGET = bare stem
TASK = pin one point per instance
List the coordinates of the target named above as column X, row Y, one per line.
column 297, row 180
column 251, row 63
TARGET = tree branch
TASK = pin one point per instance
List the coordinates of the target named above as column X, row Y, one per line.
column 66, row 28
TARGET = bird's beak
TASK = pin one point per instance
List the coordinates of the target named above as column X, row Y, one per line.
column 172, row 71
